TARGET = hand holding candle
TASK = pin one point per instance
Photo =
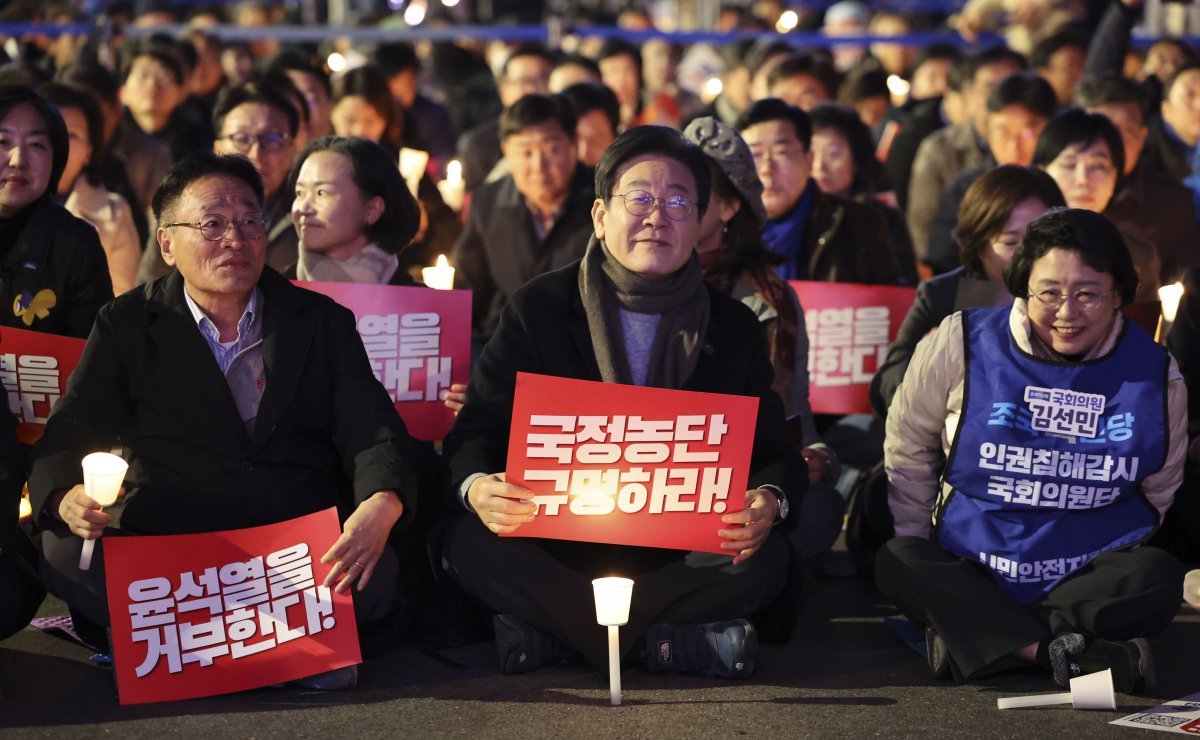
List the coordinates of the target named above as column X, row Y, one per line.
column 612, row 610
column 453, row 188
column 440, row 276
column 103, row 474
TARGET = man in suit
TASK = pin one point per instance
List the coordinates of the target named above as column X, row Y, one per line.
column 534, row 219
column 636, row 310
column 240, row 400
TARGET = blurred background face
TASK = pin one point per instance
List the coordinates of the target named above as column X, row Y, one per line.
column 526, row 75
column 1181, row 108
column 833, row 163
column 931, row 79
column 541, row 159
column 593, row 133
column 354, row 116
column 999, row 250
column 81, row 147
column 1127, row 117
column 1086, row 175
column 151, row 90
column 1012, row 134
column 259, row 133
column 802, row 91
column 317, row 100
column 1064, row 71
column 782, row 162
column 1162, row 61
column 620, row 73
column 975, row 93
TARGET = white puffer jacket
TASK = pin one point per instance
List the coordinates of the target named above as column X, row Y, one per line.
column 925, row 412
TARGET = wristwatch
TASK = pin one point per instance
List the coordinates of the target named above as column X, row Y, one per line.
column 782, row 499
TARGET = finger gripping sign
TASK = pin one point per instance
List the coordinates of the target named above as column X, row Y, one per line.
column 418, row 341
column 201, row 614
column 34, row 368
column 628, row 465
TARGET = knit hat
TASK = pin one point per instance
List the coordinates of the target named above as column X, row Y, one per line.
column 723, row 145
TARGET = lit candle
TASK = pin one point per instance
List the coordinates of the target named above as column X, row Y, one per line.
column 412, row 166
column 440, row 276
column 103, row 474
column 453, row 187
column 1169, row 295
column 612, row 610
column 1191, row 589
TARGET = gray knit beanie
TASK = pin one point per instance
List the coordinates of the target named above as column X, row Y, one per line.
column 724, row 146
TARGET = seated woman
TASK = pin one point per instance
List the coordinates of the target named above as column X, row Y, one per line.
column 635, row 310
column 352, row 212
column 86, row 196
column 738, row 263
column 993, row 216
column 1084, row 154
column 844, row 164
column 54, row 276
column 1061, row 429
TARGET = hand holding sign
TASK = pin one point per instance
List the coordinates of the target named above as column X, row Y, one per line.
column 364, row 535
column 751, row 526
column 501, row 506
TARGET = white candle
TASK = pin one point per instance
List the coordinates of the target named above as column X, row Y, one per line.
column 1169, row 296
column 412, row 167
column 1191, row 589
column 440, row 276
column 612, row 597
column 453, row 187
column 103, row 474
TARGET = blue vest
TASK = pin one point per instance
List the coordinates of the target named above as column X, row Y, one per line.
column 1048, row 457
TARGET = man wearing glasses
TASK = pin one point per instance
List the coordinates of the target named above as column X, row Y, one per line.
column 239, row 399
column 259, row 122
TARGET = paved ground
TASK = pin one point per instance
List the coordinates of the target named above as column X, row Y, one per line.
column 844, row 674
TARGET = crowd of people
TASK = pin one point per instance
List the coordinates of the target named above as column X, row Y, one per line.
column 158, row 195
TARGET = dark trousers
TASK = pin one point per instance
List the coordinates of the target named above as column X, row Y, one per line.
column 87, row 596
column 21, row 593
column 1117, row 596
column 548, row 583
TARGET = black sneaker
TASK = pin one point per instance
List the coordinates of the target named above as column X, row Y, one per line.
column 937, row 655
column 721, row 649
column 339, row 679
column 1131, row 661
column 522, row 647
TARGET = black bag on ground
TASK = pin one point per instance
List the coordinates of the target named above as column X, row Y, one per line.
column 869, row 520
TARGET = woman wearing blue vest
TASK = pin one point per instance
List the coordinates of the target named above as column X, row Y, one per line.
column 1030, row 451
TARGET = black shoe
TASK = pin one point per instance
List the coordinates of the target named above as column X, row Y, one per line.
column 522, row 647
column 721, row 649
column 1131, row 661
column 339, row 679
column 937, row 655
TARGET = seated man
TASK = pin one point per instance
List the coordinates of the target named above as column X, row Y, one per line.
column 634, row 311
column 239, row 399
column 532, row 220
column 819, row 236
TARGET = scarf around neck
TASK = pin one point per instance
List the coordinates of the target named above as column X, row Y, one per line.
column 681, row 300
column 370, row 265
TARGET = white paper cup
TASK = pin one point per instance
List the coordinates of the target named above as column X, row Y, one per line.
column 612, row 600
column 103, row 474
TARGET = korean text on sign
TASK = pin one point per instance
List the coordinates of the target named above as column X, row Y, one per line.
column 629, row 465
column 33, row 384
column 202, row 614
column 406, row 354
column 846, row 345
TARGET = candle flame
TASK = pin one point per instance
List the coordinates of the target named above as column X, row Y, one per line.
column 1169, row 295
column 442, row 262
column 454, row 170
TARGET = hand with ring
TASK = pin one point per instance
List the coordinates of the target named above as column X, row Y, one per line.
column 364, row 535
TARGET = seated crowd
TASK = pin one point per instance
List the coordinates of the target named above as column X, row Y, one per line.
column 618, row 226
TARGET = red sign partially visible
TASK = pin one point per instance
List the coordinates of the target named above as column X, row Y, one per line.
column 849, row 329
column 629, row 465
column 419, row 342
column 202, row 614
column 34, row 368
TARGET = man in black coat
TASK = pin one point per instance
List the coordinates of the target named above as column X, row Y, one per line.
column 240, row 400
column 535, row 219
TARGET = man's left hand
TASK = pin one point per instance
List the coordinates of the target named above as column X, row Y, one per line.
column 364, row 535
column 751, row 526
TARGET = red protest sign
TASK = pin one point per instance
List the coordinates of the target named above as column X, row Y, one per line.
column 628, row 465
column 849, row 328
column 202, row 614
column 419, row 342
column 34, row 368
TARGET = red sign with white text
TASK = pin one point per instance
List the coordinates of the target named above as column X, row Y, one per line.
column 419, row 342
column 629, row 465
column 34, row 368
column 849, row 329
column 202, row 614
